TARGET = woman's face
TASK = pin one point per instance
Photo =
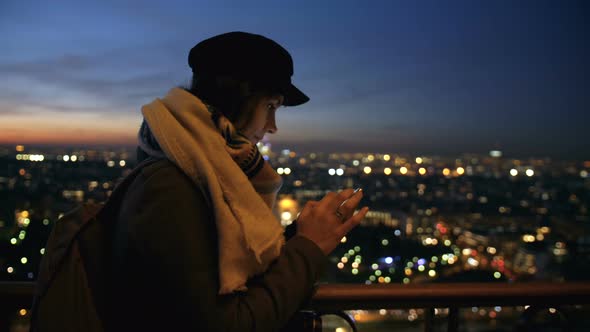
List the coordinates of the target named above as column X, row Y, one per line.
column 259, row 119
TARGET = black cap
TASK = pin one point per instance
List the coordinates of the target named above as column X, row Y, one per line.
column 248, row 57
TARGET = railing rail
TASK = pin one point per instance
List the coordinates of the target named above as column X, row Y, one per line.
column 338, row 297
column 444, row 295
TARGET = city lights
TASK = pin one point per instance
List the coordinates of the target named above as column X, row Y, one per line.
column 408, row 209
column 496, row 153
column 30, row 157
column 286, row 216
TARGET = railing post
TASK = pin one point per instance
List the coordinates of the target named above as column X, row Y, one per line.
column 453, row 319
column 527, row 319
column 6, row 316
column 429, row 320
column 304, row 321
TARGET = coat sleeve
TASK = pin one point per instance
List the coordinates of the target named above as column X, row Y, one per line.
column 171, row 226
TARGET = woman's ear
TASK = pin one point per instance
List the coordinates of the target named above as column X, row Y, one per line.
column 241, row 118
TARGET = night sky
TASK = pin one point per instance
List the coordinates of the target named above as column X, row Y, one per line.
column 419, row 77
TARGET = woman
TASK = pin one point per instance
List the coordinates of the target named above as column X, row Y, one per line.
column 197, row 246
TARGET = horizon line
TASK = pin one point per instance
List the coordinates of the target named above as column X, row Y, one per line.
column 284, row 146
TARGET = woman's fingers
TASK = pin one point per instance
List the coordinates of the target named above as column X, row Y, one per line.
column 348, row 206
column 327, row 221
column 330, row 199
column 353, row 221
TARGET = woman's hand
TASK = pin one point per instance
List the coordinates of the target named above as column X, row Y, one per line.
column 327, row 221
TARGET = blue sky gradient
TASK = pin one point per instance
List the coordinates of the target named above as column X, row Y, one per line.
column 427, row 77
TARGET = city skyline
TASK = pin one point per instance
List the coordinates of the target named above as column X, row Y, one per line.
column 391, row 77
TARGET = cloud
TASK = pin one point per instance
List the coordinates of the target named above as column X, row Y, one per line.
column 93, row 83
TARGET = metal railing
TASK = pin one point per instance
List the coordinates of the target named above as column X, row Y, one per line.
column 340, row 297
column 534, row 295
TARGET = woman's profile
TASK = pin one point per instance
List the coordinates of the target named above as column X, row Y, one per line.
column 196, row 244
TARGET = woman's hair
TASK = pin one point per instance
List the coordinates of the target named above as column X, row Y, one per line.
column 228, row 95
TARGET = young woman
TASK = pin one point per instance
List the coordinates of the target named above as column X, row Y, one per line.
column 196, row 246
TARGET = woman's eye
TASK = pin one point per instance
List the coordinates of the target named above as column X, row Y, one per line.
column 270, row 106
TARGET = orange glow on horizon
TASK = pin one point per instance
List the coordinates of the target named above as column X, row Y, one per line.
column 68, row 129
column 96, row 136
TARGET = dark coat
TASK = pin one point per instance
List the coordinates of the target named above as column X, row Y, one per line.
column 166, row 272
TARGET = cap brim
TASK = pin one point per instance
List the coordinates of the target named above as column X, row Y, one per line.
column 294, row 96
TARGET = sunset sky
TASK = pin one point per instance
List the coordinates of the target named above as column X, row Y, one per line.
column 422, row 77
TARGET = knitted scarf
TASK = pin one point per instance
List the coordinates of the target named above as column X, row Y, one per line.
column 187, row 132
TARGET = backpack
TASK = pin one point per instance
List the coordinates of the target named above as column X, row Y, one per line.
column 72, row 283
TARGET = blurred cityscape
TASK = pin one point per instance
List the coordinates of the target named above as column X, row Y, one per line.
column 483, row 218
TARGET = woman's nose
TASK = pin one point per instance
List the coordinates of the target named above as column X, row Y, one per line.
column 271, row 124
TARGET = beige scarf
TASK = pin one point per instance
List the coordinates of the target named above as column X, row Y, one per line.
column 250, row 237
